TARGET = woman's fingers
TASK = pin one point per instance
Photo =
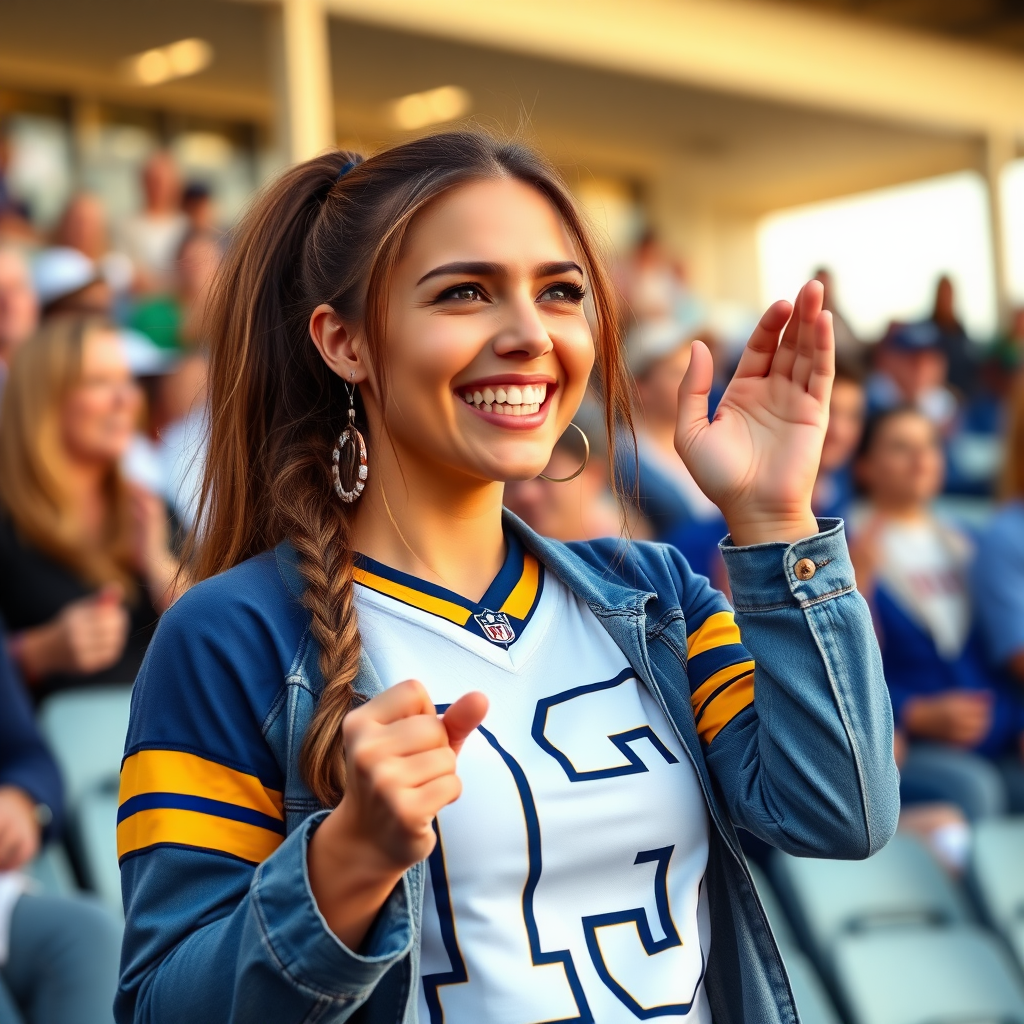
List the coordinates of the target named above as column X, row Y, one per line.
column 823, row 366
column 403, row 700
column 463, row 717
column 793, row 359
column 756, row 359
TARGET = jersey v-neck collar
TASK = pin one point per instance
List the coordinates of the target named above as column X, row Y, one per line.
column 500, row 616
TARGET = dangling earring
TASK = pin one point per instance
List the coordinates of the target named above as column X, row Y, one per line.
column 583, row 465
column 350, row 435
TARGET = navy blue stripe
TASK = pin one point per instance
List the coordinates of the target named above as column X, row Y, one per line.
column 703, row 666
column 181, row 802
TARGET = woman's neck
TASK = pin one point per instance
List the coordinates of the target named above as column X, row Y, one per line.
column 660, row 432
column 445, row 531
column 909, row 513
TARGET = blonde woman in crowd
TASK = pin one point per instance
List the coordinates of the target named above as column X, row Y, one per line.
column 85, row 566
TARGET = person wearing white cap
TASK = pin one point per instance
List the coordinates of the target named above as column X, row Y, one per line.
column 67, row 281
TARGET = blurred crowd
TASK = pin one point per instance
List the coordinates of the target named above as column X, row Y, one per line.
column 102, row 423
column 102, row 414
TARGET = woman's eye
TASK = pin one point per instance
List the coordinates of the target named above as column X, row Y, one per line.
column 564, row 291
column 463, row 293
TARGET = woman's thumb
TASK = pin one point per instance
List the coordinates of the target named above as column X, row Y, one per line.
column 463, row 717
column 693, row 393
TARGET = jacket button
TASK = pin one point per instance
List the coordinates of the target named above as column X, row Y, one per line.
column 805, row 569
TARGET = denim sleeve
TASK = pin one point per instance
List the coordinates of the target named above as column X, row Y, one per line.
column 808, row 766
column 266, row 956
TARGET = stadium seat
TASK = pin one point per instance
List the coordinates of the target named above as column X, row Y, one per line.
column 96, row 833
column 53, row 872
column 86, row 731
column 954, row 975
column 813, row 1002
column 901, row 885
column 997, row 876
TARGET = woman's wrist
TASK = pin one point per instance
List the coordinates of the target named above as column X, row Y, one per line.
column 765, row 528
column 349, row 876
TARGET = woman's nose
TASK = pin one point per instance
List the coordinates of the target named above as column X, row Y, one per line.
column 523, row 332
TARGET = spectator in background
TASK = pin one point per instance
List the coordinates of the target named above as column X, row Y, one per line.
column 197, row 204
column 998, row 575
column 910, row 369
column 153, row 237
column 964, row 723
column 953, row 340
column 582, row 508
column 83, row 226
column 67, row 282
column 19, row 306
column 58, row 954
column 658, row 355
column 833, row 490
column 175, row 320
column 84, row 560
column 15, row 224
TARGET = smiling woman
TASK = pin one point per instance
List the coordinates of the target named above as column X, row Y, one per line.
column 295, row 839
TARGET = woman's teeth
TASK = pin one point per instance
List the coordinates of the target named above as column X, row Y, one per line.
column 512, row 400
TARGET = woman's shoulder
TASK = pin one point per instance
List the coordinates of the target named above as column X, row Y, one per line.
column 247, row 607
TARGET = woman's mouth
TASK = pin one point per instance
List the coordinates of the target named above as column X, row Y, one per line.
column 507, row 399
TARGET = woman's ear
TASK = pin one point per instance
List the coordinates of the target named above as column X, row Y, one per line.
column 340, row 346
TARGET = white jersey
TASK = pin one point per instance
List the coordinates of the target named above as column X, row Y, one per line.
column 567, row 880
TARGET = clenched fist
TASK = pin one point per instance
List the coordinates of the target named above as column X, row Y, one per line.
column 400, row 760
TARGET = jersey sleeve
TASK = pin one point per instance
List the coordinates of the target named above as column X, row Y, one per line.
column 220, row 921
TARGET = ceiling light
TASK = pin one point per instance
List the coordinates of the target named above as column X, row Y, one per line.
column 176, row 60
column 420, row 109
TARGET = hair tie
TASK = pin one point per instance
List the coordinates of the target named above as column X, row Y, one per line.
column 345, row 168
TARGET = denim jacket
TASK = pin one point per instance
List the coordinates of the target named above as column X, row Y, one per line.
column 230, row 684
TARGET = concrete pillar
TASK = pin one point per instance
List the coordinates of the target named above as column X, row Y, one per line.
column 300, row 47
column 999, row 151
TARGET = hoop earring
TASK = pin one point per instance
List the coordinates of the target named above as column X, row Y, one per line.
column 350, row 435
column 583, row 465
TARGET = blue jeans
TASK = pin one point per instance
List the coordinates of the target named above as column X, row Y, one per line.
column 63, row 963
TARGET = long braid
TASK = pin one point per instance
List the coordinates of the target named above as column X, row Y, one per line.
column 319, row 530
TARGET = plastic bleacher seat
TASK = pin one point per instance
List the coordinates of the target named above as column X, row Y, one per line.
column 954, row 975
column 901, row 886
column 86, row 731
column 997, row 876
column 813, row 1002
column 96, row 828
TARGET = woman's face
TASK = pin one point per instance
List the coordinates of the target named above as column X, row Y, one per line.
column 99, row 414
column 904, row 465
column 488, row 350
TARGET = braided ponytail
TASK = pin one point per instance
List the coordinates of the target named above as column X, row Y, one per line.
column 315, row 236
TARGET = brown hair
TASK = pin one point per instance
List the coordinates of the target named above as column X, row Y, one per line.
column 33, row 461
column 1011, row 484
column 316, row 237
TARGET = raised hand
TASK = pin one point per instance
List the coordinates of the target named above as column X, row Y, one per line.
column 400, row 771
column 757, row 460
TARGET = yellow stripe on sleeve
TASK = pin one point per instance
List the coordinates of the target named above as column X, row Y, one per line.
column 193, row 828
column 427, row 602
column 174, row 771
column 716, row 630
column 725, row 707
column 520, row 601
column 713, row 682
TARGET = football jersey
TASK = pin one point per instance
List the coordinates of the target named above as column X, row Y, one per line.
column 566, row 883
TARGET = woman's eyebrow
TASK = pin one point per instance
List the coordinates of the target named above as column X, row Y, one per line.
column 480, row 268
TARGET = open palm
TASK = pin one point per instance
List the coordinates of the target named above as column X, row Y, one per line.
column 758, row 458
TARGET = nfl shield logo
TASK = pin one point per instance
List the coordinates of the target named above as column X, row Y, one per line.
column 496, row 627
